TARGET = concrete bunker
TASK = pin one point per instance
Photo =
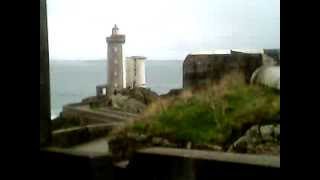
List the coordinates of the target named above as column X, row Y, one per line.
column 200, row 69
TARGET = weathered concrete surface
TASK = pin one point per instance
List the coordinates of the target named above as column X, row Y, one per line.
column 96, row 146
column 257, row 160
column 88, row 162
column 87, row 116
column 45, row 117
column 200, row 165
column 201, row 69
column 77, row 135
column 58, row 163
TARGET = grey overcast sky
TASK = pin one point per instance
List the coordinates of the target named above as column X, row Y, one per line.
column 160, row 29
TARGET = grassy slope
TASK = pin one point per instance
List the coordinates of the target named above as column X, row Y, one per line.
column 217, row 114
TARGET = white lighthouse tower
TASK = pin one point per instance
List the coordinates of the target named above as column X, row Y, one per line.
column 116, row 72
column 135, row 71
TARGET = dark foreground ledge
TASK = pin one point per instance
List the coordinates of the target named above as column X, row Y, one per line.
column 157, row 164
column 245, row 159
column 58, row 163
column 171, row 163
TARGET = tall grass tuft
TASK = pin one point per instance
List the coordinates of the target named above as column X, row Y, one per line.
column 216, row 114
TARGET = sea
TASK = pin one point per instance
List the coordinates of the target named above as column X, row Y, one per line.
column 73, row 80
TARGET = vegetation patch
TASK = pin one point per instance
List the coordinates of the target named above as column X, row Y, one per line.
column 216, row 115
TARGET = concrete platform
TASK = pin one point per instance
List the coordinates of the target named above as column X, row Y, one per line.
column 86, row 161
column 86, row 115
column 97, row 146
column 79, row 135
column 184, row 164
column 250, row 159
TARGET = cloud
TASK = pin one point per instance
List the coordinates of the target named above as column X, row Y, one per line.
column 160, row 29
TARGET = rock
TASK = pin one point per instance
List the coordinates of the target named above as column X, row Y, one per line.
column 143, row 95
column 251, row 148
column 124, row 103
column 189, row 144
column 215, row 147
column 118, row 100
column 258, row 143
column 129, row 100
column 268, row 148
column 133, row 135
column 266, row 132
column 156, row 140
column 253, row 131
column 133, row 106
column 173, row 92
column 141, row 138
column 230, row 149
column 255, row 140
column 89, row 99
column 149, row 96
column 167, row 143
column 212, row 147
column 277, row 131
column 240, row 145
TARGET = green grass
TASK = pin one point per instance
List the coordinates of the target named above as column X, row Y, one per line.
column 217, row 114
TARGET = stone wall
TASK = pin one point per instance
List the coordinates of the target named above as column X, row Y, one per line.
column 202, row 69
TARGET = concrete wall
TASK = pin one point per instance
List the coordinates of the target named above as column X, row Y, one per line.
column 159, row 164
column 199, row 70
column 61, row 164
column 184, row 164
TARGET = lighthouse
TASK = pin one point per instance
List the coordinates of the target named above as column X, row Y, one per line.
column 116, row 69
